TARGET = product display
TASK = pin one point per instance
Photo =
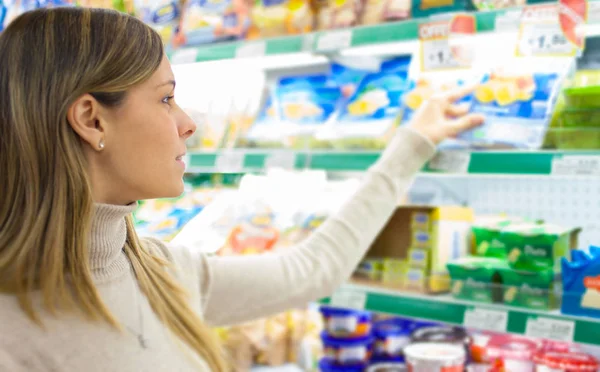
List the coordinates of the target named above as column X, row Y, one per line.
column 581, row 283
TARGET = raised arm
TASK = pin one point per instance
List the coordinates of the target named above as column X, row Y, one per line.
column 238, row 289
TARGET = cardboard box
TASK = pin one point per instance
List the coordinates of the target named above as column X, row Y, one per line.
column 449, row 229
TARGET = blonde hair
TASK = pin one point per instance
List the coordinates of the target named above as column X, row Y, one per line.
column 49, row 58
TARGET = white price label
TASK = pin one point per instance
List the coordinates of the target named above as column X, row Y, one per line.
column 230, row 162
column 593, row 12
column 451, row 161
column 438, row 55
column 485, row 319
column 334, row 40
column 183, row 56
column 349, row 299
column 550, row 329
column 576, row 165
column 253, row 49
column 283, row 159
column 544, row 39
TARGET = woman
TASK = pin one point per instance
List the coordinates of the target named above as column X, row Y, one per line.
column 89, row 126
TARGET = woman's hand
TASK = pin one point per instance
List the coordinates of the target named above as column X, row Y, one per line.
column 440, row 117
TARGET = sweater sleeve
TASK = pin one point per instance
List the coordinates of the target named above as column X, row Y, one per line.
column 239, row 289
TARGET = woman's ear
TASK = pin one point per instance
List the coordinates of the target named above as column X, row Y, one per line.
column 83, row 116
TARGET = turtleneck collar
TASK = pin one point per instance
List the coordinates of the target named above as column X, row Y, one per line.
column 107, row 239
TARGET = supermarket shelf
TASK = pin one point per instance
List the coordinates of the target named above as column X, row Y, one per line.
column 334, row 40
column 567, row 163
column 445, row 309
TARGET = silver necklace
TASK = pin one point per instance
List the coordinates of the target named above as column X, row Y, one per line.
column 139, row 335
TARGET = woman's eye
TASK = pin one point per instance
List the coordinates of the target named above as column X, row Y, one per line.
column 168, row 99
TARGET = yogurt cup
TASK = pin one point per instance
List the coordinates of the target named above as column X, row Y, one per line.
column 326, row 365
column 346, row 323
column 391, row 336
column 435, row 357
column 347, row 352
column 387, row 367
column 557, row 361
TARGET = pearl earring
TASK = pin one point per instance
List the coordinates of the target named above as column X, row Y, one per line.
column 101, row 144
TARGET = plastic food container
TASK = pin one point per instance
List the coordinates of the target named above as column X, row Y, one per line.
column 386, row 367
column 347, row 352
column 555, row 361
column 510, row 352
column 442, row 334
column 435, row 357
column 345, row 323
column 326, row 365
column 391, row 336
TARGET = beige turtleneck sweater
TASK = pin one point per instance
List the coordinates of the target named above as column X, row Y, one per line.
column 225, row 290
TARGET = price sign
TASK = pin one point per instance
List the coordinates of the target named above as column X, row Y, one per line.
column 541, row 34
column 230, row 162
column 349, row 299
column 576, row 165
column 254, row 49
column 486, row 319
column 334, row 40
column 437, row 52
column 451, row 162
column 550, row 329
column 283, row 159
column 544, row 39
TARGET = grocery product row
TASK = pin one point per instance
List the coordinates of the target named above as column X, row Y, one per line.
column 528, row 102
column 359, row 341
column 196, row 22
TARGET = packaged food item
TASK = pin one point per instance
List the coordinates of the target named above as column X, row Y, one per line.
column 531, row 289
column 418, row 258
column 581, row 283
column 368, row 119
column 307, row 103
column 487, row 231
column 421, row 221
column 378, row 366
column 346, row 323
column 268, row 130
column 391, row 336
column 517, row 100
column 332, row 14
column 161, row 15
column 585, row 97
column 326, row 365
column 393, row 271
column 497, row 4
column 477, row 279
column 537, row 247
column 508, row 352
column 380, row 11
column 369, row 269
column 209, row 21
column 435, row 357
column 425, row 8
column 271, row 18
column 553, row 361
column 441, row 334
column 347, row 352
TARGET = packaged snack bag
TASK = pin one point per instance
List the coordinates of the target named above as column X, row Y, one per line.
column 333, row 14
column 271, row 18
column 379, row 11
column 209, row 21
column 368, row 119
column 161, row 15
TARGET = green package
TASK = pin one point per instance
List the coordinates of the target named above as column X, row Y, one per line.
column 536, row 247
column 533, row 290
column 477, row 279
column 487, row 235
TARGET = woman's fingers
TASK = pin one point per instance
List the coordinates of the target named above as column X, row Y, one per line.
column 465, row 123
column 456, row 111
column 460, row 92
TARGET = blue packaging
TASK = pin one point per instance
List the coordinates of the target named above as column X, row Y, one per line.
column 391, row 336
column 581, row 283
column 346, row 323
column 347, row 352
column 3, row 12
column 268, row 130
column 369, row 117
column 161, row 15
column 326, row 365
